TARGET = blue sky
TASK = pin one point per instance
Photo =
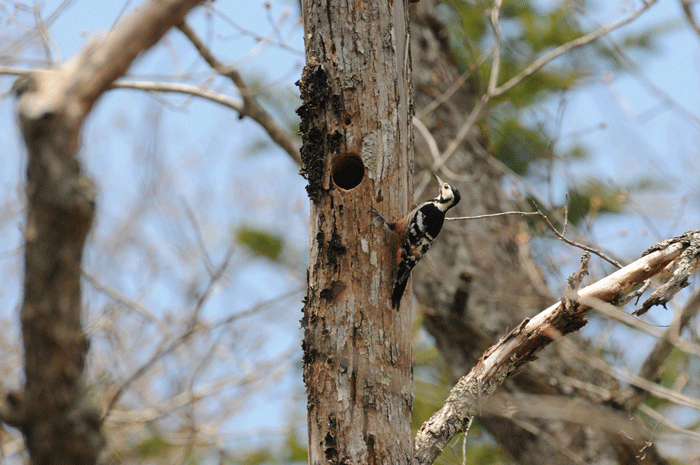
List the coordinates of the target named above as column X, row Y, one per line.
column 197, row 155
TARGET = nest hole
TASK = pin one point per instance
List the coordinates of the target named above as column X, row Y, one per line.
column 348, row 171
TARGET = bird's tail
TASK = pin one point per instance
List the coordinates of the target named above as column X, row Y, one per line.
column 399, row 288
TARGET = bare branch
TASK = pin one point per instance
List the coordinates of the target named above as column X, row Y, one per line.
column 454, row 87
column 153, row 86
column 583, row 40
column 251, row 106
column 655, row 389
column 689, row 15
column 574, row 243
column 680, row 270
column 496, row 60
column 670, row 338
column 15, row 71
column 455, row 143
column 429, row 139
column 549, row 223
column 166, row 348
column 193, row 327
column 135, row 306
column 73, row 88
column 556, row 407
column 187, row 89
column 666, row 341
column 491, row 215
column 493, row 91
column 665, row 421
column 195, row 394
column 531, row 336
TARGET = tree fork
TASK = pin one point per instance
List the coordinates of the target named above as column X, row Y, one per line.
column 356, row 154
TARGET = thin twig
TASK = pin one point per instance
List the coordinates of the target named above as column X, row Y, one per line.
column 122, row 299
column 178, row 88
column 496, row 60
column 261, row 40
column 213, row 280
column 556, row 443
column 533, row 334
column 164, row 349
column 208, row 263
column 12, row 48
column 583, row 40
column 657, row 390
column 150, row 86
column 444, row 97
column 689, row 15
column 671, row 338
column 455, row 143
column 566, row 213
column 665, row 339
column 549, row 223
column 429, row 139
column 186, row 89
column 493, row 92
column 574, row 243
column 492, row 215
column 188, row 397
column 15, row 71
column 666, row 422
column 251, row 107
column 42, row 33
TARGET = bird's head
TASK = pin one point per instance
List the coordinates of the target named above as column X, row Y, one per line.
column 448, row 197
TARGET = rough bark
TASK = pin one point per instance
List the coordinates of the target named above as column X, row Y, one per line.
column 60, row 423
column 486, row 283
column 356, row 153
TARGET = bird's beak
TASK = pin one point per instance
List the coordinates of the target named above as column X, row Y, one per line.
column 440, row 181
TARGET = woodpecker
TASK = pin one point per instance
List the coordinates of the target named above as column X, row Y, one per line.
column 416, row 233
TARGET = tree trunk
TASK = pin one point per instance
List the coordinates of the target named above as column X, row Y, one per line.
column 60, row 423
column 486, row 284
column 356, row 153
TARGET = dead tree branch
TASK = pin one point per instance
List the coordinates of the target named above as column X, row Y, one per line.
column 670, row 338
column 576, row 244
column 532, row 335
column 494, row 91
column 687, row 6
column 277, row 133
column 251, row 106
column 578, row 42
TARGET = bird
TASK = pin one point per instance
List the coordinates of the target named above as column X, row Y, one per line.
column 416, row 233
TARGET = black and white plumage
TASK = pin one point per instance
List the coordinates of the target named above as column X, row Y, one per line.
column 416, row 233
